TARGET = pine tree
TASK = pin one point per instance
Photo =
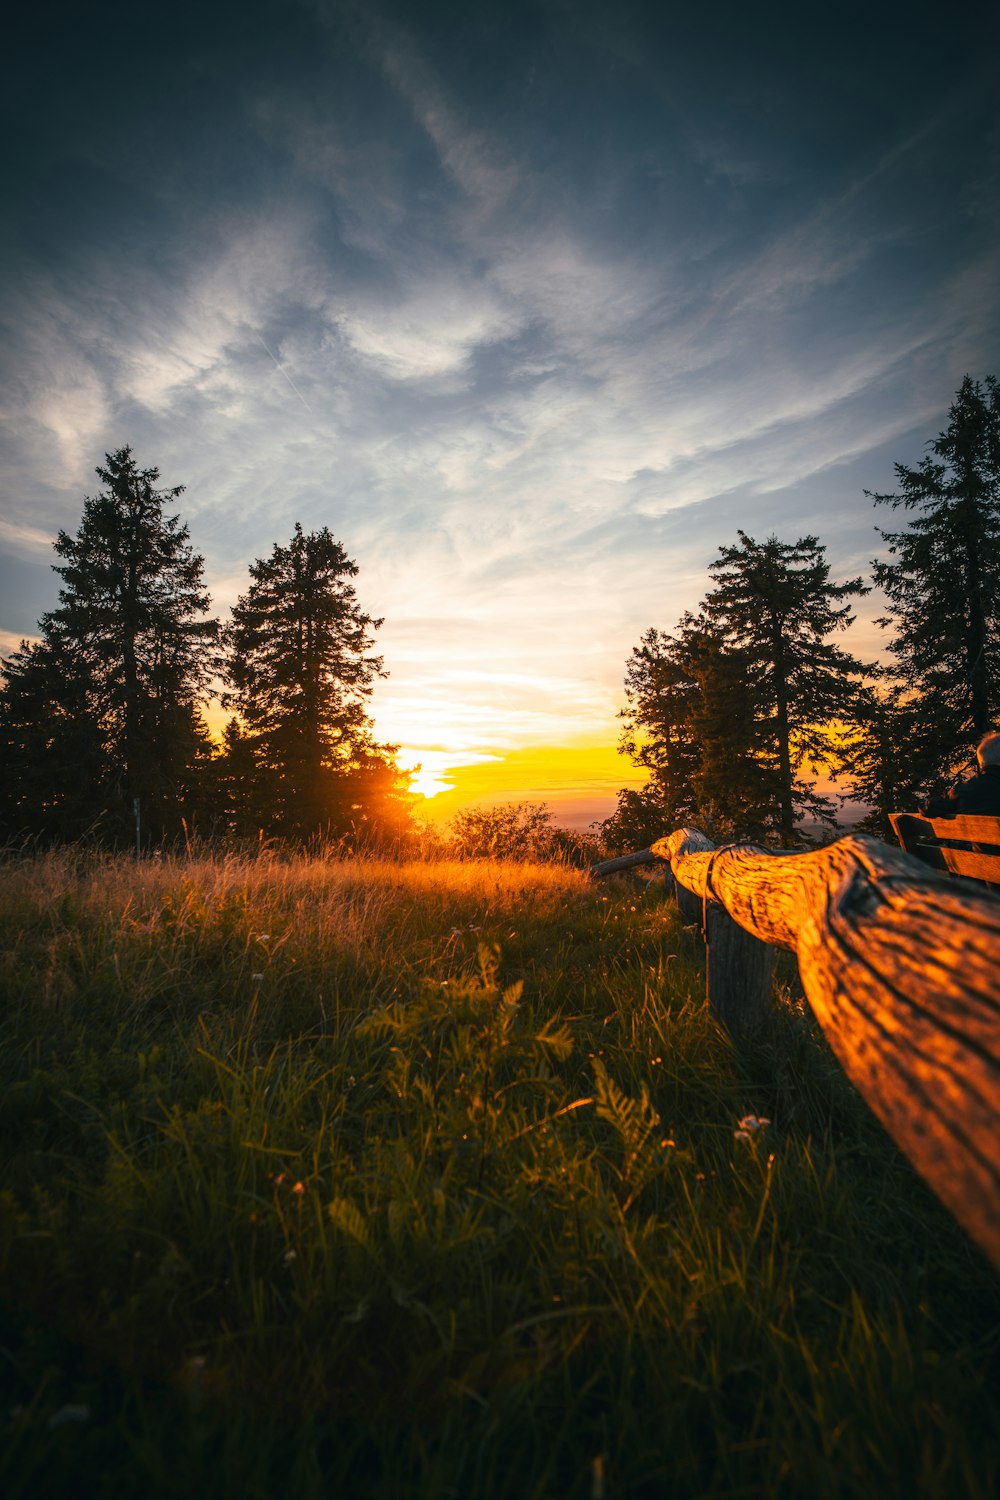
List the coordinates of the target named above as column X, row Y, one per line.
column 735, row 784
column 54, row 761
column 690, row 720
column 300, row 673
column 885, row 756
column 943, row 589
column 131, row 644
column 660, row 692
column 774, row 602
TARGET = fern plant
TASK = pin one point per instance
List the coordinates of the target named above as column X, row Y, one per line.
column 637, row 1125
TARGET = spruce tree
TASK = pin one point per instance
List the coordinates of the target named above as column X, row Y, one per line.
column 690, row 721
column 117, row 679
column 943, row 585
column 300, row 673
column 735, row 784
column 883, row 757
column 774, row 603
column 656, row 735
column 55, row 763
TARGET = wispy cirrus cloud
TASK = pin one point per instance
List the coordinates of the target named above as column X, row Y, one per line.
column 533, row 349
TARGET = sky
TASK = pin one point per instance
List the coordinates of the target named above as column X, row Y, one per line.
column 533, row 304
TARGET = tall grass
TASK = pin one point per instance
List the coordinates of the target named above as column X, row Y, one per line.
column 438, row 1179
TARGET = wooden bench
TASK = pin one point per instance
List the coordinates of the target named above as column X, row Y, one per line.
column 966, row 844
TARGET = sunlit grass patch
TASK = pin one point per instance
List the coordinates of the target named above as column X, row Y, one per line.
column 438, row 1178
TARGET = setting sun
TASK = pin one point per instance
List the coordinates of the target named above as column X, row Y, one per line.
column 426, row 784
column 431, row 771
column 578, row 782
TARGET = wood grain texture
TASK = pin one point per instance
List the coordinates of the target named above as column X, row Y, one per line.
column 901, row 966
column 976, row 829
column 624, row 862
column 964, row 845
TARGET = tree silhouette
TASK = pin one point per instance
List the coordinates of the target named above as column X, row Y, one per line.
column 55, row 767
column 300, row 673
column 885, row 757
column 725, row 711
column 660, row 693
column 773, row 602
column 943, row 589
column 104, row 711
column 691, row 721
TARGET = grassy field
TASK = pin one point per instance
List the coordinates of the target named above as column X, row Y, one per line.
column 379, row 1179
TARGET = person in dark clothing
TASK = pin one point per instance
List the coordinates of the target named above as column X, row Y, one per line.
column 980, row 794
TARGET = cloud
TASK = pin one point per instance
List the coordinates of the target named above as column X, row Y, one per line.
column 533, row 353
column 13, row 640
column 24, row 541
column 469, row 156
column 432, row 332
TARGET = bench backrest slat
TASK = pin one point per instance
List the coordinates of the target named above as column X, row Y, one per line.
column 966, row 844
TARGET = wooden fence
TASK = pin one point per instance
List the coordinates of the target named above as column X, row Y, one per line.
column 901, row 966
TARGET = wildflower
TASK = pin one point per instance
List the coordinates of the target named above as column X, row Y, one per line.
column 262, row 937
column 298, row 1189
column 257, row 978
column 289, row 1257
column 749, row 1126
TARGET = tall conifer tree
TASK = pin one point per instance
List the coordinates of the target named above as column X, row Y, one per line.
column 773, row 602
column 300, row 670
column 943, row 584
column 726, row 710
column 656, row 735
column 117, row 678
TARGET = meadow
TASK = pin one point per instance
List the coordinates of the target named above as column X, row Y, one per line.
column 437, row 1179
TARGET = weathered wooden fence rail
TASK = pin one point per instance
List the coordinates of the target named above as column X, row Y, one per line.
column 901, row 966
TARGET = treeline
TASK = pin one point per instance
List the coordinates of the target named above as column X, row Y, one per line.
column 101, row 720
column 735, row 710
column 732, row 713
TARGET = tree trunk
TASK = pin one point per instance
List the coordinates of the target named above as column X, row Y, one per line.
column 787, row 813
column 976, row 643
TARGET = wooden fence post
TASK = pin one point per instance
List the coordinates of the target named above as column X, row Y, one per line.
column 688, row 904
column 900, row 965
column 739, row 971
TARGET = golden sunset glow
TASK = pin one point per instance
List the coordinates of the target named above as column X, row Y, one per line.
column 425, row 784
column 577, row 782
column 432, row 771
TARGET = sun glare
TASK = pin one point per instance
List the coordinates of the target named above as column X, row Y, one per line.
column 431, row 770
column 428, row 783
